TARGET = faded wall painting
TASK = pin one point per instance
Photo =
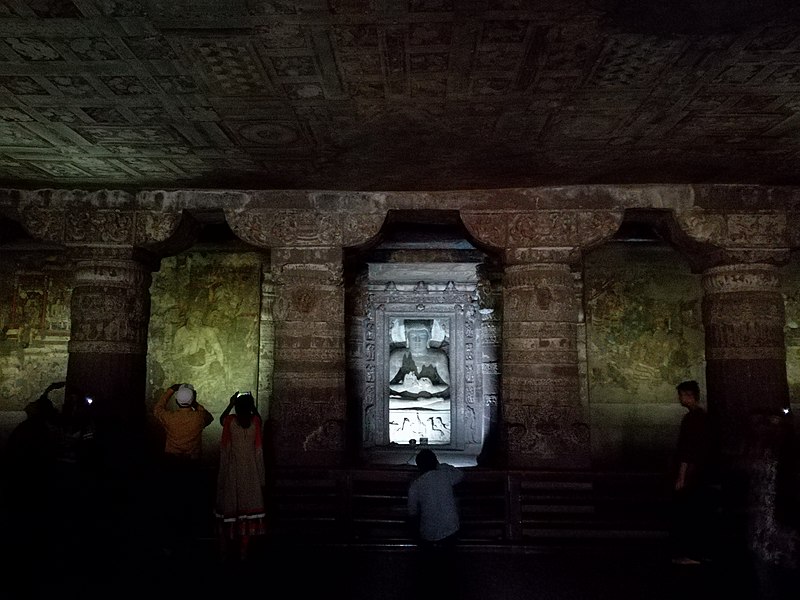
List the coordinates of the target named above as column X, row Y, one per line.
column 419, row 381
column 34, row 332
column 204, row 326
column 644, row 335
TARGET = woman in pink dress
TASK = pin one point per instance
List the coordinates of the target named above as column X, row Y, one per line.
column 240, row 508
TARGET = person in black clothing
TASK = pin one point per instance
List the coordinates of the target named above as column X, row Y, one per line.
column 29, row 485
column 690, row 504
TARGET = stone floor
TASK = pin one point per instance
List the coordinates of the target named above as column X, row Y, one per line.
column 107, row 570
column 96, row 547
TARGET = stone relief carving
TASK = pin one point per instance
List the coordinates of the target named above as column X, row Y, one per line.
column 308, row 292
column 45, row 224
column 741, row 278
column 358, row 229
column 303, row 228
column 421, row 384
column 152, row 226
column 532, row 389
column 95, row 219
column 94, row 226
column 329, row 435
column 735, row 229
column 546, row 431
column 488, row 227
column 109, row 319
column 744, row 313
column 544, row 228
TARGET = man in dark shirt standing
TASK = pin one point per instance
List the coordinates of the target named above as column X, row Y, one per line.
column 690, row 489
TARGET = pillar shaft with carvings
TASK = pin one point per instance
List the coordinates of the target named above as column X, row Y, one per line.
column 106, row 233
column 743, row 311
column 546, row 422
column 308, row 408
column 743, row 316
column 110, row 312
column 544, row 411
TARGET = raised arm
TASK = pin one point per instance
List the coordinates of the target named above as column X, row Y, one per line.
column 228, row 408
column 161, row 406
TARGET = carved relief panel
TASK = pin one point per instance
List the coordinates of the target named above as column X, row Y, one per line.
column 421, row 352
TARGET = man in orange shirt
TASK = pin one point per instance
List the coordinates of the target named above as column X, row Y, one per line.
column 184, row 426
column 184, row 478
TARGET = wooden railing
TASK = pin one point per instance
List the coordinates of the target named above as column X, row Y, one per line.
column 498, row 507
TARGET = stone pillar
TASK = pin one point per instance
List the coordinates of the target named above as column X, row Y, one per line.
column 110, row 312
column 544, row 411
column 743, row 316
column 743, row 311
column 545, row 419
column 106, row 233
column 308, row 408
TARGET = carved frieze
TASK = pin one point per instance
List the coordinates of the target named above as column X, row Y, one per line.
column 543, row 228
column 317, row 266
column 539, row 229
column 741, row 278
column 756, row 237
column 84, row 224
column 303, row 228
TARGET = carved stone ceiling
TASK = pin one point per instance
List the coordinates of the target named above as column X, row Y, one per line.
column 397, row 94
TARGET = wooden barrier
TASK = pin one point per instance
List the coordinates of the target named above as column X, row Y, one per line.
column 498, row 507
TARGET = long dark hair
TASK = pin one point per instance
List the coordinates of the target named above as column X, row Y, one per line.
column 245, row 406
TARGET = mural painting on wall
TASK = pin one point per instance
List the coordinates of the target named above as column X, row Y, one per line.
column 34, row 332
column 644, row 326
column 204, row 325
column 419, row 381
column 28, row 308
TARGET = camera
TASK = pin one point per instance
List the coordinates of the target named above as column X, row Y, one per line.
column 245, row 393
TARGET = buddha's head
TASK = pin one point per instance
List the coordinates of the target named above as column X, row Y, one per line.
column 417, row 336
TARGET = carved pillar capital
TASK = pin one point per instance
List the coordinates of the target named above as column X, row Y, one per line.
column 744, row 312
column 542, row 236
column 110, row 306
column 737, row 237
column 298, row 228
